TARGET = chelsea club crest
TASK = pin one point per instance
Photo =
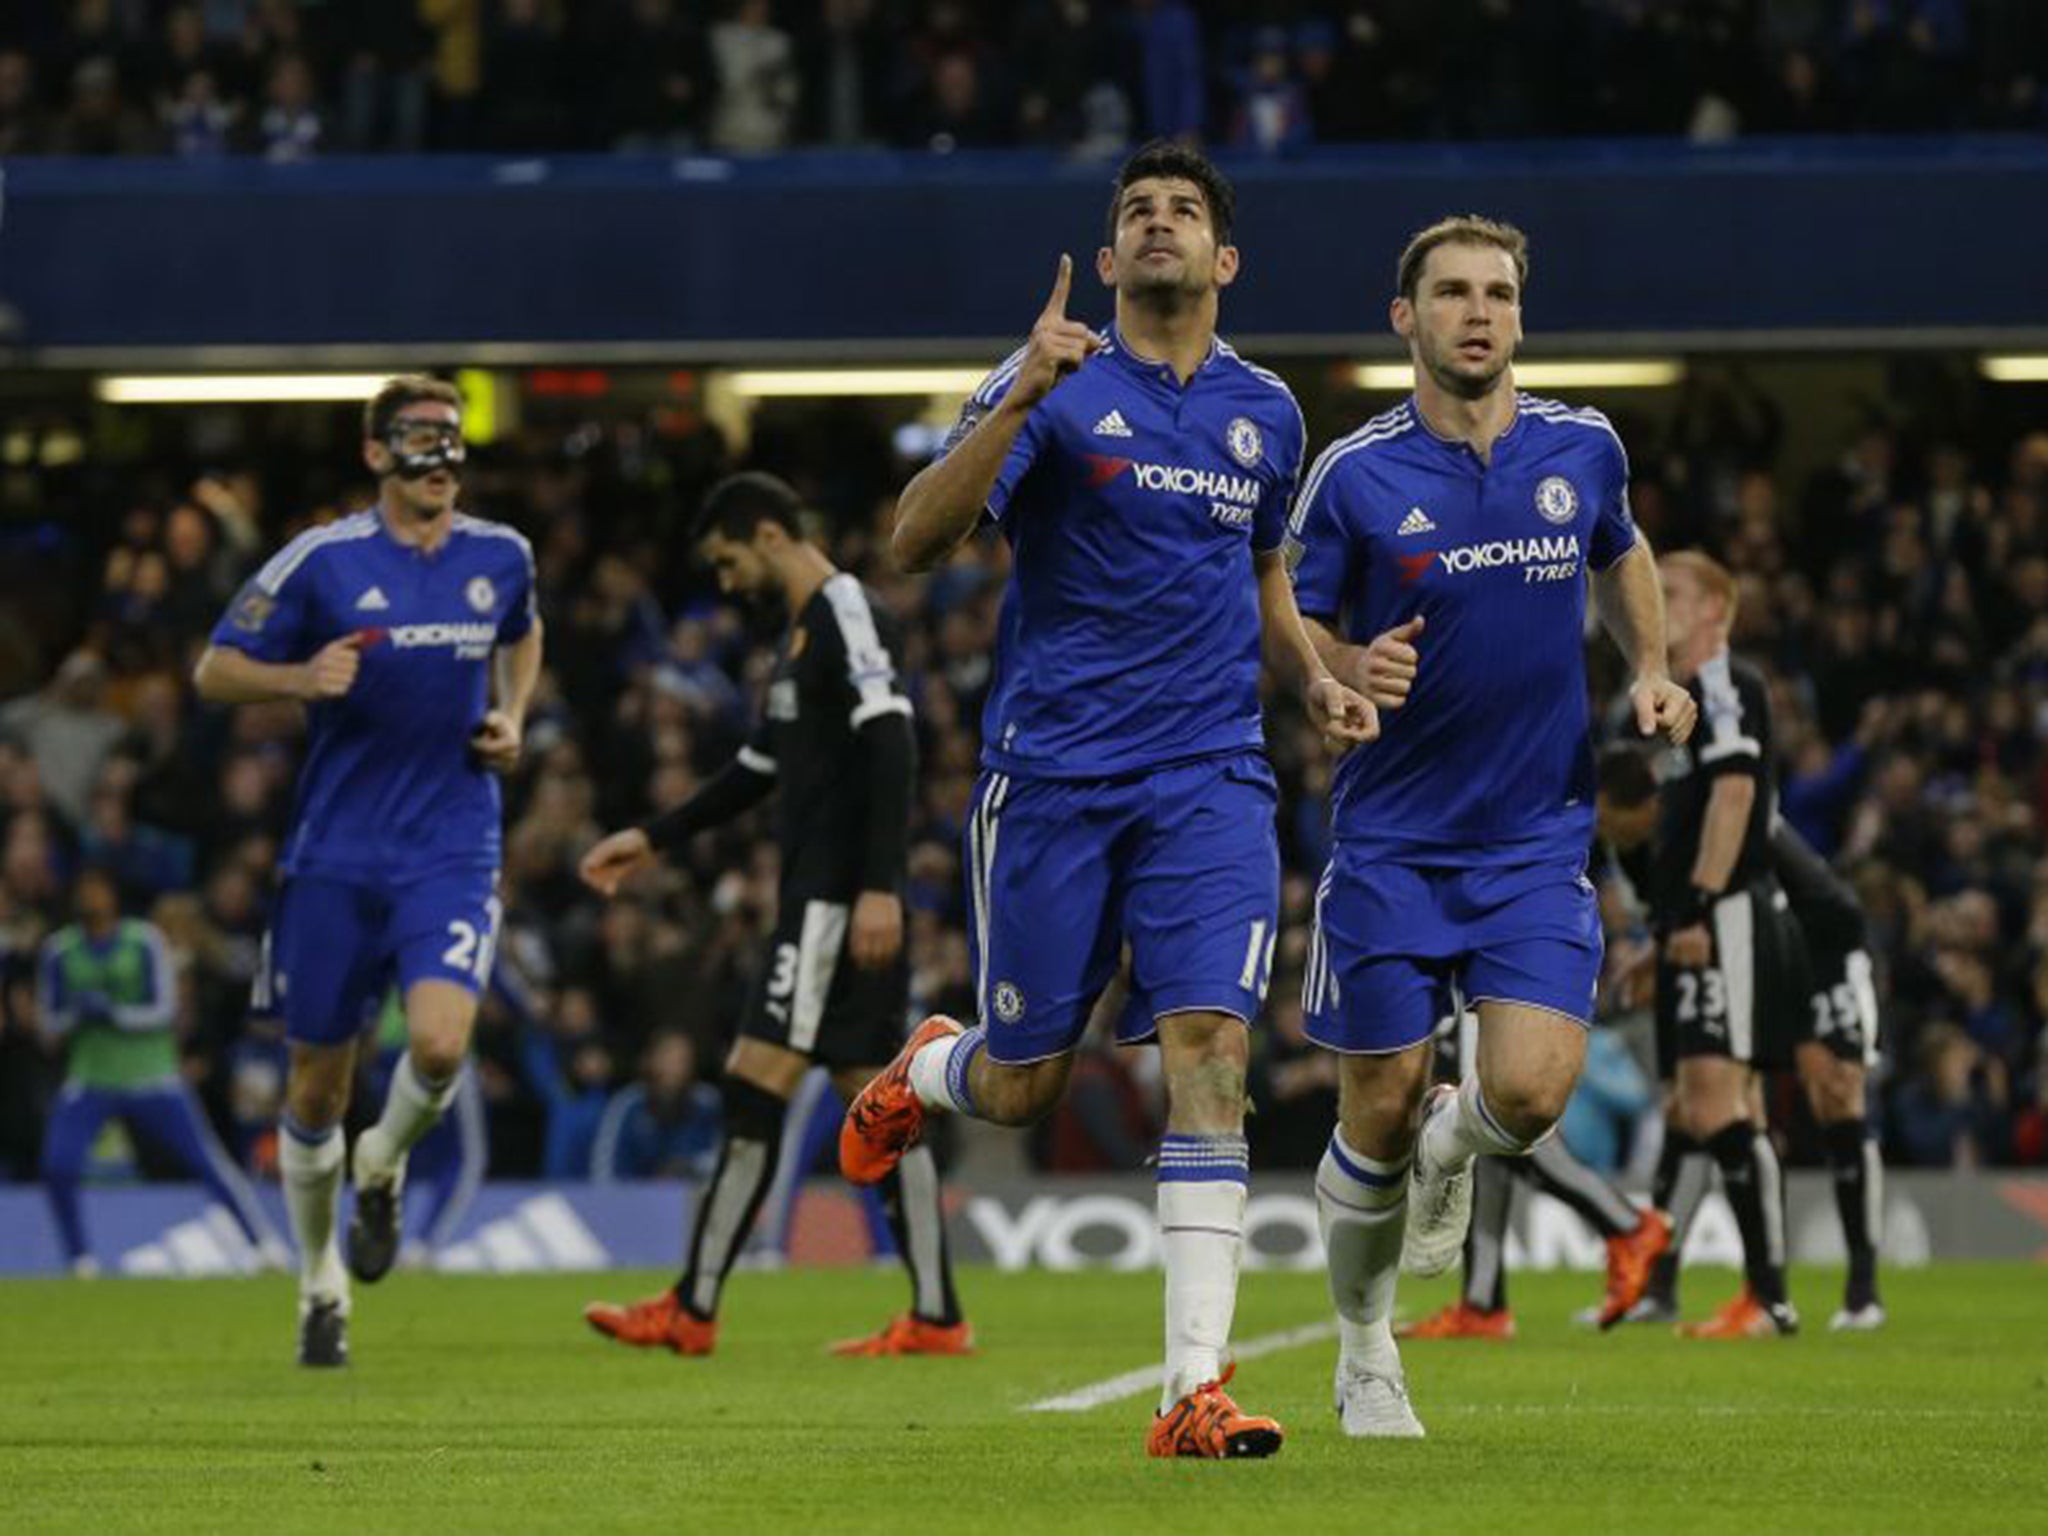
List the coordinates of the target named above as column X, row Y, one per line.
column 1556, row 500
column 1244, row 441
column 481, row 594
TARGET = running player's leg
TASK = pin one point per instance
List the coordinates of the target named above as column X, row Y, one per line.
column 1044, row 943
column 324, row 962
column 1481, row 1310
column 1199, row 891
column 447, row 1167
column 1378, row 1012
column 170, row 1118
column 443, row 933
column 1685, row 1173
column 75, row 1119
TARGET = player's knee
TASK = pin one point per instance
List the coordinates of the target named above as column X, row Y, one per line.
column 753, row 1113
column 437, row 1059
column 1527, row 1108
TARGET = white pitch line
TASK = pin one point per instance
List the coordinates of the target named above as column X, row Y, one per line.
column 1131, row 1383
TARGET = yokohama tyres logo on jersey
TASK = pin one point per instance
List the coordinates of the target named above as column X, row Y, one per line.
column 469, row 641
column 1553, row 558
column 1232, row 498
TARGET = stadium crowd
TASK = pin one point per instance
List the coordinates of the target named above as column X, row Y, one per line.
column 289, row 79
column 1898, row 600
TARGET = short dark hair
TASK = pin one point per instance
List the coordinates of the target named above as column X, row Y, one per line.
column 1625, row 776
column 1460, row 229
column 397, row 394
column 1167, row 159
column 739, row 504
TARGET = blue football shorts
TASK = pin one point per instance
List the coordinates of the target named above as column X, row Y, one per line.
column 1398, row 947
column 1182, row 863
column 334, row 945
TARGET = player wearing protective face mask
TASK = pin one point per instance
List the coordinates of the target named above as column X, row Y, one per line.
column 409, row 632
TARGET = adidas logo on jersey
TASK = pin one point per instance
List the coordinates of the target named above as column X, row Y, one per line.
column 373, row 601
column 1112, row 425
column 1417, row 521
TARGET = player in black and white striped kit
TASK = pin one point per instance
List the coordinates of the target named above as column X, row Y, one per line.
column 835, row 738
column 1730, row 967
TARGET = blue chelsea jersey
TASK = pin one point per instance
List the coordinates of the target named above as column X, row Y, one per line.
column 1488, row 760
column 388, row 789
column 1129, row 636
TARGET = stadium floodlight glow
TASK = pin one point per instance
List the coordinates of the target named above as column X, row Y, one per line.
column 825, row 383
column 236, row 388
column 2021, row 369
column 1622, row 373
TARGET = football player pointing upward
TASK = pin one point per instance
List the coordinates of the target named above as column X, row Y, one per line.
column 1450, row 540
column 1141, row 476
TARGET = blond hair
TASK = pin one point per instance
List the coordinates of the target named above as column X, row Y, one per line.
column 397, row 394
column 1710, row 574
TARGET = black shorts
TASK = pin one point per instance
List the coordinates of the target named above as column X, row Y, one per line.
column 1746, row 1003
column 812, row 999
column 1841, row 1009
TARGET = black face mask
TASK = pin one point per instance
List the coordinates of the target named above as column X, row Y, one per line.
column 421, row 447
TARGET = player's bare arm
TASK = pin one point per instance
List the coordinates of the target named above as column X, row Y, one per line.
column 1344, row 716
column 1727, row 820
column 225, row 675
column 614, row 860
column 514, row 671
column 1631, row 604
column 942, row 504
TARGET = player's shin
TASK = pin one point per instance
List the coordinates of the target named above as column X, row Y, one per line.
column 727, row 1205
column 309, row 1163
column 1362, row 1207
column 1754, row 1185
column 910, row 1199
column 412, row 1107
column 1859, row 1197
column 1202, row 1187
column 1684, row 1173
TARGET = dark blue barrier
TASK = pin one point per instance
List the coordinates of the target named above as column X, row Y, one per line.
column 711, row 257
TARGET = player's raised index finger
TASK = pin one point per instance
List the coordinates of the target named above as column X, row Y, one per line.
column 1056, row 306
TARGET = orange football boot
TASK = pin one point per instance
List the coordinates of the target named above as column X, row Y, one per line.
column 659, row 1322
column 911, row 1335
column 886, row 1119
column 1743, row 1317
column 1460, row 1321
column 1630, row 1258
column 1207, row 1424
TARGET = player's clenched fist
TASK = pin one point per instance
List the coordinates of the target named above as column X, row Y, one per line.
column 1390, row 664
column 1344, row 718
column 615, row 860
column 332, row 672
column 1661, row 705
column 1057, row 346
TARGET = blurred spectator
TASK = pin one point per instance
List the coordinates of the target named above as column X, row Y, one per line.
column 24, row 126
column 1271, row 111
column 1947, row 1114
column 99, row 120
column 290, row 125
column 68, row 731
column 755, row 83
column 665, row 1126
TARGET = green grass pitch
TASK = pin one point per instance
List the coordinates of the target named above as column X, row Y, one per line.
column 479, row 1404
